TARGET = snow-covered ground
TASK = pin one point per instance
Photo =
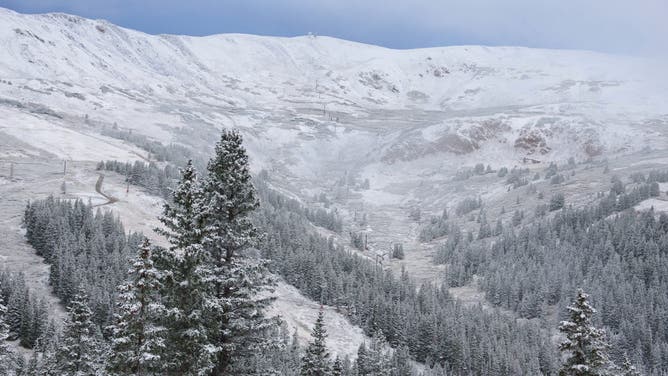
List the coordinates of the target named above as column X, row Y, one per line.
column 316, row 109
column 63, row 142
column 316, row 112
column 300, row 313
column 659, row 205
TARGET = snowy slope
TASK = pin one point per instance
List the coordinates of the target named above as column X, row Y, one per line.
column 437, row 100
column 316, row 110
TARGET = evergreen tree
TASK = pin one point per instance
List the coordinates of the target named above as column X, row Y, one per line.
column 361, row 364
column 38, row 322
column 17, row 307
column 398, row 251
column 557, row 201
column 184, row 292
column 485, row 229
column 374, row 360
column 236, row 312
column 628, row 369
column 85, row 249
column 585, row 345
column 7, row 359
column 316, row 360
column 32, row 368
column 281, row 359
column 78, row 353
column 183, row 226
column 137, row 337
column 337, row 367
column 518, row 216
column 47, row 345
column 401, row 362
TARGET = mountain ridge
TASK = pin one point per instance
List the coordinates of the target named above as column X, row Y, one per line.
column 322, row 97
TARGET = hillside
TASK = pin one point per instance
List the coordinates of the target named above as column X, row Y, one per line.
column 387, row 139
column 402, row 105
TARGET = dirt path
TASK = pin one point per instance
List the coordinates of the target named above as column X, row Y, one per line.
column 98, row 189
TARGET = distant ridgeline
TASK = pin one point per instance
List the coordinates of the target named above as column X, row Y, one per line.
column 619, row 256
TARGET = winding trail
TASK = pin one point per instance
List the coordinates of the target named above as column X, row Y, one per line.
column 98, row 189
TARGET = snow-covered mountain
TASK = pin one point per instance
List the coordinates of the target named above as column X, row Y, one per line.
column 309, row 103
column 323, row 116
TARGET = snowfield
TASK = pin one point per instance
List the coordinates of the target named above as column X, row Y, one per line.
column 321, row 115
column 300, row 313
column 658, row 205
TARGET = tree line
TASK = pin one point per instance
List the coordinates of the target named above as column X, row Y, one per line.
column 156, row 180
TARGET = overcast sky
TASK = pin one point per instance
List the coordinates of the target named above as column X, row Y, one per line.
column 638, row 27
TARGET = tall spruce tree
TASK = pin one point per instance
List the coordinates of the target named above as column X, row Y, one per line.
column 80, row 348
column 183, row 268
column 137, row 335
column 236, row 311
column 315, row 361
column 585, row 345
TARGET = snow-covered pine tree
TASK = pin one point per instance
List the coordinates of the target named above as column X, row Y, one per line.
column 181, row 218
column 315, row 361
column 7, row 360
column 337, row 367
column 236, row 311
column 376, row 360
column 79, row 352
column 17, row 306
column 39, row 322
column 283, row 359
column 184, row 292
column 362, row 360
column 47, row 345
column 627, row 368
column 401, row 362
column 137, row 338
column 585, row 345
column 32, row 367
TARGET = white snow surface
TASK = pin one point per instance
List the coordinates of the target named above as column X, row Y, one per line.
column 300, row 314
column 659, row 205
column 310, row 100
column 316, row 110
